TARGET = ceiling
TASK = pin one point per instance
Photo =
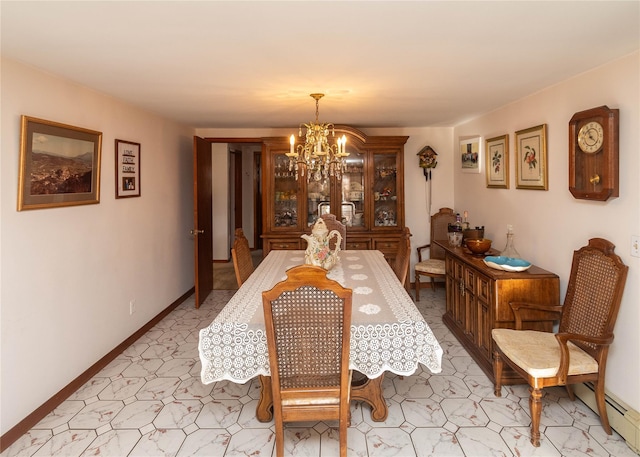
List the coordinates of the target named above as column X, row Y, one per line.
column 381, row 64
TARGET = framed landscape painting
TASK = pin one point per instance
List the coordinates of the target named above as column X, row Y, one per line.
column 497, row 150
column 59, row 165
column 471, row 154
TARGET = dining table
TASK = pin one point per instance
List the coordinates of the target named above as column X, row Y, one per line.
column 388, row 332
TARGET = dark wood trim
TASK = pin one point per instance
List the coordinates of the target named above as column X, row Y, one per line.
column 26, row 424
column 234, row 140
column 237, row 189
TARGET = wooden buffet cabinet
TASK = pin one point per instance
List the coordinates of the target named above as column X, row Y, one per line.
column 478, row 299
column 369, row 198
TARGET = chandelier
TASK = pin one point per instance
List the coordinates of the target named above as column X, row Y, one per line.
column 316, row 157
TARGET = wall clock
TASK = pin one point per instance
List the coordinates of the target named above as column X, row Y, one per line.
column 593, row 154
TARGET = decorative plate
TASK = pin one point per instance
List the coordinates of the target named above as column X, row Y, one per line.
column 506, row 263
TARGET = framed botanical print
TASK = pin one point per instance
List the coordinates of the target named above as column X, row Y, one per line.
column 471, row 155
column 59, row 165
column 531, row 158
column 497, row 152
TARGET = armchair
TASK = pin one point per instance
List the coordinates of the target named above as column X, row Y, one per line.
column 578, row 352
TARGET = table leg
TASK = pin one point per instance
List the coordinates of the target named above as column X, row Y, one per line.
column 264, row 410
column 370, row 392
column 362, row 389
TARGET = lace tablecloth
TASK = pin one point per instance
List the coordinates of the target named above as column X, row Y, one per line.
column 388, row 333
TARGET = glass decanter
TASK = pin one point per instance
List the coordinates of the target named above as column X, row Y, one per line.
column 510, row 249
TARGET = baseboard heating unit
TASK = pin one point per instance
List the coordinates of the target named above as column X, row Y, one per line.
column 624, row 420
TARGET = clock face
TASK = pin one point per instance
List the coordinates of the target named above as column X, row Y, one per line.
column 590, row 137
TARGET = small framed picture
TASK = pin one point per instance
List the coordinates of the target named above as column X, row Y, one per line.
column 59, row 165
column 531, row 158
column 497, row 151
column 471, row 154
column 127, row 169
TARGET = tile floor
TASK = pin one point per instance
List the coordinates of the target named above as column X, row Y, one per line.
column 150, row 402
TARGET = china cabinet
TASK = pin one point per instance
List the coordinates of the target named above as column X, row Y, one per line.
column 478, row 299
column 368, row 198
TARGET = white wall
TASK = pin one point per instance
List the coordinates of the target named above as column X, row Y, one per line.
column 68, row 274
column 550, row 225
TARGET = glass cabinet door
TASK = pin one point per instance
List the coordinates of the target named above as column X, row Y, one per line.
column 353, row 194
column 318, row 200
column 385, row 189
column 285, row 194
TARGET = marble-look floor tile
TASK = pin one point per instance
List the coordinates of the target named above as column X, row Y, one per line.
column 573, row 442
column 248, row 442
column 178, row 414
column 69, row 443
column 464, row 412
column 519, row 441
column 480, row 441
column 389, row 442
column 429, row 442
column 137, row 414
column 205, row 442
column 160, row 442
column 28, row 444
column 113, row 443
column 96, row 414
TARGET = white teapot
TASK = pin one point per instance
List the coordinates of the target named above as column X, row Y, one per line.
column 318, row 251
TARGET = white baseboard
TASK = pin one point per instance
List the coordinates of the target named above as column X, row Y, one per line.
column 624, row 420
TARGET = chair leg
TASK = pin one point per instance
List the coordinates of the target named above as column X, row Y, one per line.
column 279, row 426
column 602, row 407
column 343, row 438
column 497, row 374
column 535, row 406
column 569, row 388
column 417, row 286
column 433, row 284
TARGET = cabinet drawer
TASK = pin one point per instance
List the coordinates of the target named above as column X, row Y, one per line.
column 358, row 244
column 388, row 247
column 283, row 245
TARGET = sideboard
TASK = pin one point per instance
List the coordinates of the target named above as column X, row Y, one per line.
column 478, row 298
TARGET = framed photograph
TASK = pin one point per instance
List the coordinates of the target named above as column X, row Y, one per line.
column 497, row 151
column 471, row 154
column 127, row 169
column 59, row 165
column 531, row 158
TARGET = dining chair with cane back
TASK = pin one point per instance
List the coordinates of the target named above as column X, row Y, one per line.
column 241, row 255
column 308, row 325
column 578, row 352
column 433, row 266
column 333, row 223
column 403, row 257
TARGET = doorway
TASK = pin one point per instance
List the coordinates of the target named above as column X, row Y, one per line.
column 245, row 191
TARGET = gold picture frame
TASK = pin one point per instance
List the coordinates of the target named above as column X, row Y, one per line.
column 59, row 165
column 531, row 158
column 497, row 159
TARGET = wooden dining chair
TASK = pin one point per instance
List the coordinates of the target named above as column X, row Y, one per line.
column 433, row 266
column 241, row 255
column 403, row 257
column 334, row 224
column 578, row 352
column 308, row 325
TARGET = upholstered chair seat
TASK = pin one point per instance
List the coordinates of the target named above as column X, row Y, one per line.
column 538, row 353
